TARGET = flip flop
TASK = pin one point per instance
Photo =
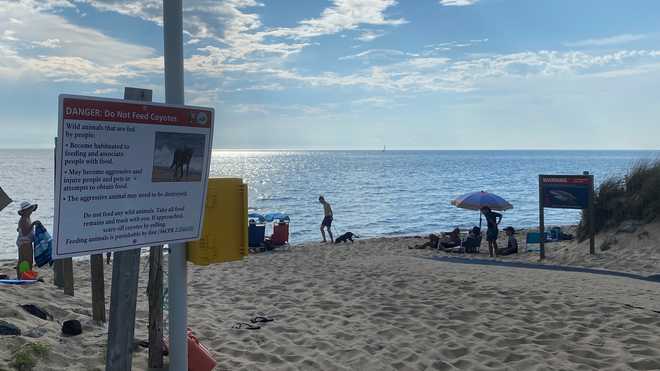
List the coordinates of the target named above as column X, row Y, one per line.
column 245, row 325
column 261, row 319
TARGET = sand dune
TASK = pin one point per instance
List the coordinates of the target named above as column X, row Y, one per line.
column 375, row 305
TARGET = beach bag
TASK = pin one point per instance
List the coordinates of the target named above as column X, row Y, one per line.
column 43, row 246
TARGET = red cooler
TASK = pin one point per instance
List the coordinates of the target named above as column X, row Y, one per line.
column 280, row 234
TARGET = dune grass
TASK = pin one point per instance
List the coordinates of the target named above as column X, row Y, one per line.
column 635, row 196
column 27, row 357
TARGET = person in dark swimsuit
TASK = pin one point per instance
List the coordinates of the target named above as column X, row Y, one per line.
column 493, row 219
column 327, row 218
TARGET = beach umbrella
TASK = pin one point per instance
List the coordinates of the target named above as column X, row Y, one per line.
column 477, row 200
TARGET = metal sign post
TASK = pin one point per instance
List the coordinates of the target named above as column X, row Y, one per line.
column 178, row 273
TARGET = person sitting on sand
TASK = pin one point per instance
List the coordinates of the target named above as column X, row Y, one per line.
column 327, row 219
column 512, row 244
column 433, row 242
column 447, row 240
column 473, row 240
column 493, row 219
column 25, row 235
column 451, row 239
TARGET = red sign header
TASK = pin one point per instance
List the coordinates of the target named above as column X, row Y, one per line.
column 135, row 113
column 550, row 179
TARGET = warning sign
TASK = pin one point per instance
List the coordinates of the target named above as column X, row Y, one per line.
column 566, row 191
column 129, row 174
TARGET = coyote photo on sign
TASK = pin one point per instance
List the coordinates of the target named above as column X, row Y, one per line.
column 178, row 157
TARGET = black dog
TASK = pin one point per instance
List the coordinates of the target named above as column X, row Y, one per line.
column 348, row 236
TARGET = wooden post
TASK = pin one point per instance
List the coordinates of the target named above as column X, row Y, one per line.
column 592, row 218
column 121, row 328
column 63, row 268
column 125, row 269
column 155, row 293
column 541, row 220
column 67, row 276
column 98, row 287
column 58, row 274
column 63, row 275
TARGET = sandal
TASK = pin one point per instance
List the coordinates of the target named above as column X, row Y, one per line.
column 245, row 325
column 261, row 319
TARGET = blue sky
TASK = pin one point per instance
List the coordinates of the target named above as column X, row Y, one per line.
column 428, row 74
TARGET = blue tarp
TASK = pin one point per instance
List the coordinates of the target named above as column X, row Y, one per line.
column 459, row 260
column 276, row 216
column 258, row 217
column 268, row 217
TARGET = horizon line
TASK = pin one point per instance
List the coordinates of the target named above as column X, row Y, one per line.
column 378, row 149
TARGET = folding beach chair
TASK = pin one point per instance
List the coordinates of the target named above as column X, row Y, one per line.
column 534, row 238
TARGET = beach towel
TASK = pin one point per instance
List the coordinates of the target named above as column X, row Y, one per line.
column 17, row 282
column 43, row 246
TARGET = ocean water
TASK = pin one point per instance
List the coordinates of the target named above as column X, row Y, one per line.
column 373, row 193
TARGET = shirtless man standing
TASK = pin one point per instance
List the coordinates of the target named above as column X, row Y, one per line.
column 327, row 218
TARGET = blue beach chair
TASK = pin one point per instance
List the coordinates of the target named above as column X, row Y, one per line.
column 534, row 238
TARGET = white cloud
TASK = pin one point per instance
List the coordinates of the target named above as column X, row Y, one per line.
column 8, row 35
column 376, row 54
column 435, row 49
column 612, row 40
column 105, row 91
column 343, row 15
column 251, row 108
column 50, row 47
column 49, row 43
column 368, row 36
column 428, row 74
column 375, row 102
column 458, row 2
column 263, row 87
column 235, row 25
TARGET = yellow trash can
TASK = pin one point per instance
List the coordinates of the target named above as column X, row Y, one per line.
column 225, row 230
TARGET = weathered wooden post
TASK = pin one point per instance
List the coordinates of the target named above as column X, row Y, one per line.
column 125, row 269
column 155, row 293
column 62, row 268
column 98, row 287
column 541, row 220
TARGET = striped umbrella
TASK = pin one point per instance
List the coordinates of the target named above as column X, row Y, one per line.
column 477, row 200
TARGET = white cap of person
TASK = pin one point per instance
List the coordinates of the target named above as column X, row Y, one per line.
column 25, row 206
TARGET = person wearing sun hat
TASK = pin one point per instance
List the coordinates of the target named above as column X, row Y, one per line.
column 25, row 235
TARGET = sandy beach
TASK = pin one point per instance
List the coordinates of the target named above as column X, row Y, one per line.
column 375, row 305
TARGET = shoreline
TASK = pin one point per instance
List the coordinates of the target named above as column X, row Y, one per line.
column 568, row 253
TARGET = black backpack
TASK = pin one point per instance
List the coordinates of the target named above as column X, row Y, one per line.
column 72, row 327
